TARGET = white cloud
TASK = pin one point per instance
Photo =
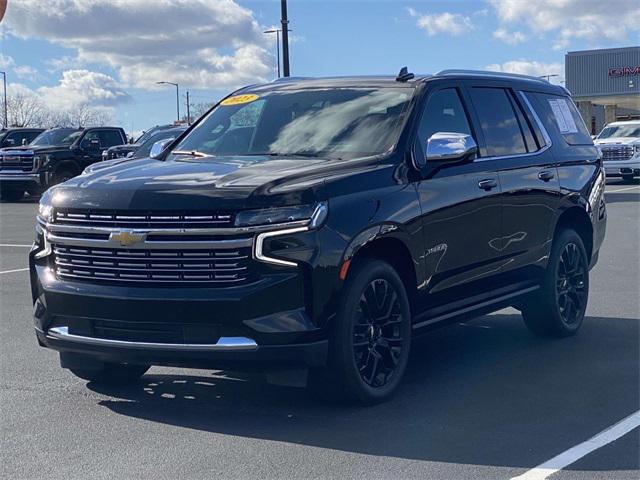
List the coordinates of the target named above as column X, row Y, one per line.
column 511, row 38
column 84, row 87
column 6, row 62
column 26, row 72
column 445, row 23
column 589, row 20
column 533, row 68
column 201, row 43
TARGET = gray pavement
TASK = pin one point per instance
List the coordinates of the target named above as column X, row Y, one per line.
column 483, row 399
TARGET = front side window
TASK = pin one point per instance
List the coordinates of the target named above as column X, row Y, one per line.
column 443, row 113
column 109, row 138
column 498, row 122
column 316, row 122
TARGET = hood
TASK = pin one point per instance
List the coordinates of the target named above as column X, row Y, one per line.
column 124, row 147
column 618, row 141
column 203, row 183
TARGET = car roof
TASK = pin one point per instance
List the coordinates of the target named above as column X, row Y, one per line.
column 623, row 122
column 517, row 80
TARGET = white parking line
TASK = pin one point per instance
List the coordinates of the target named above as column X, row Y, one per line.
column 574, row 454
column 14, row 245
column 621, row 189
column 12, row 271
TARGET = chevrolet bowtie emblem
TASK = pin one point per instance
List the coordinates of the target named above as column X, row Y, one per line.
column 127, row 237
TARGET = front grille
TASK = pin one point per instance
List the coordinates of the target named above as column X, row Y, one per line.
column 218, row 267
column 20, row 163
column 617, row 153
column 141, row 219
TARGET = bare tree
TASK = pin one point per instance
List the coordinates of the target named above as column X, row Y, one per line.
column 25, row 110
column 81, row 115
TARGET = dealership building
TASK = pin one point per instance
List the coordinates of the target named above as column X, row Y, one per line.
column 605, row 84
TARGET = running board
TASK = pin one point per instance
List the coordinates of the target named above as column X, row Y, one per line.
column 477, row 306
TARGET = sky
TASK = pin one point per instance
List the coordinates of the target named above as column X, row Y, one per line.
column 109, row 54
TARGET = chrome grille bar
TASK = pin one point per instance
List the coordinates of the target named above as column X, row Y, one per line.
column 617, row 153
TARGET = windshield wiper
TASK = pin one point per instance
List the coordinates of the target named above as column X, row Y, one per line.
column 289, row 154
column 191, row 153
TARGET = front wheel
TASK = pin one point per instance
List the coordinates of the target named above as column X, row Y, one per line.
column 627, row 178
column 112, row 373
column 371, row 335
column 11, row 194
column 558, row 308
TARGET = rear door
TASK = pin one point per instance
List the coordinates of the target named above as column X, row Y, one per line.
column 461, row 208
column 528, row 177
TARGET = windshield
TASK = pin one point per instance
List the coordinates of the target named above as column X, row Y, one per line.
column 145, row 148
column 56, row 137
column 146, row 135
column 620, row 131
column 327, row 122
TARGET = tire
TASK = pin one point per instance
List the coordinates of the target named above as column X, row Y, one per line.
column 627, row 178
column 11, row 194
column 371, row 337
column 558, row 308
column 62, row 176
column 112, row 373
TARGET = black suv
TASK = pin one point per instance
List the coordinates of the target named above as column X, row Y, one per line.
column 18, row 137
column 53, row 157
column 316, row 226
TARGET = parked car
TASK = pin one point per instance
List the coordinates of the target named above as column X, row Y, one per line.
column 144, row 150
column 17, row 137
column 53, row 157
column 316, row 226
column 123, row 151
column 619, row 143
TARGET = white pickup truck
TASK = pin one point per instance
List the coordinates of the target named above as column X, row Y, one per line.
column 619, row 143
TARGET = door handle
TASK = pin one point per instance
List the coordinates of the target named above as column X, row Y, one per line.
column 487, row 184
column 546, row 175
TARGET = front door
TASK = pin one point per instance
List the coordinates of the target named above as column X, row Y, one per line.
column 461, row 210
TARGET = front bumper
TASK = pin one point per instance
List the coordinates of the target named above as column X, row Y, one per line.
column 28, row 179
column 627, row 167
column 248, row 327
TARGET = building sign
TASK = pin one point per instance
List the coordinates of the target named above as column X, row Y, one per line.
column 624, row 71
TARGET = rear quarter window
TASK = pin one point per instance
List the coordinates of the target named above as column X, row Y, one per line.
column 559, row 114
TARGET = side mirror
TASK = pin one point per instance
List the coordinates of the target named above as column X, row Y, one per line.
column 159, row 146
column 449, row 146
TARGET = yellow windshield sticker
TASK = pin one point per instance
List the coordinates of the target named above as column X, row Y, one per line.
column 239, row 99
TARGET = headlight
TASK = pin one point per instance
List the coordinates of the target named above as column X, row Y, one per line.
column 271, row 216
column 45, row 212
column 40, row 161
column 636, row 149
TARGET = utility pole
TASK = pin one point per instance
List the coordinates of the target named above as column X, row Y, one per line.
column 285, row 39
column 188, row 110
column 4, row 79
column 548, row 77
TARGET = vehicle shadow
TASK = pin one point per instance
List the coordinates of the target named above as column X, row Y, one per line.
column 482, row 393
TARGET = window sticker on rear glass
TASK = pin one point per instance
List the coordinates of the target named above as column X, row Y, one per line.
column 564, row 119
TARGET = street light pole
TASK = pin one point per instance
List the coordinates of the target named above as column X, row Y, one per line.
column 277, row 32
column 285, row 38
column 4, row 81
column 177, row 96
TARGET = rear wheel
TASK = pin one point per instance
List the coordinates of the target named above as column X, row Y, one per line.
column 11, row 194
column 558, row 308
column 627, row 178
column 372, row 334
column 112, row 373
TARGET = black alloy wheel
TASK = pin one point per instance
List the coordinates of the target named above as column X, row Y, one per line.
column 377, row 333
column 571, row 284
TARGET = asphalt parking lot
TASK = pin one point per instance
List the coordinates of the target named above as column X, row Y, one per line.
column 484, row 399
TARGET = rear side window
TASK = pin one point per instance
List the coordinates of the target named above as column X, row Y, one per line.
column 109, row 138
column 498, row 121
column 561, row 115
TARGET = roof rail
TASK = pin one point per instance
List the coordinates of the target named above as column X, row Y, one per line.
column 287, row 79
column 487, row 73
